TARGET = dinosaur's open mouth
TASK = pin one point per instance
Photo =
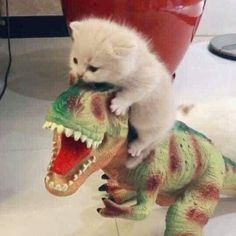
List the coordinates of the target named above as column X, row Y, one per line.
column 71, row 156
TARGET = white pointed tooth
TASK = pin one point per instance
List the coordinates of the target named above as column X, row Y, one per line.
column 89, row 143
column 75, row 177
column 51, row 184
column 68, row 132
column 47, row 179
column 47, row 124
column 70, row 182
column 88, row 163
column 84, row 167
column 53, row 126
column 58, row 187
column 80, row 172
column 77, row 135
column 93, row 159
column 64, row 187
column 94, row 145
column 99, row 143
column 60, row 129
column 83, row 138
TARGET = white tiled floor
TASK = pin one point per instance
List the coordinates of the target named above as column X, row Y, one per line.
column 38, row 75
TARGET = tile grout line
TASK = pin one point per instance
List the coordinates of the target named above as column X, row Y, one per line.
column 117, row 228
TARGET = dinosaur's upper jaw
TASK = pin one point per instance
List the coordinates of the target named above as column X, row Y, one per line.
column 72, row 161
column 80, row 119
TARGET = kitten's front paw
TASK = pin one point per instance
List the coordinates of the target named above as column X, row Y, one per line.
column 119, row 107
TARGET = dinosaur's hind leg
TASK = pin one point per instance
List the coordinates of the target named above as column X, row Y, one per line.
column 192, row 210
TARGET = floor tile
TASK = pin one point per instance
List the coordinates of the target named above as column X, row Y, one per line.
column 203, row 76
column 26, row 208
column 21, row 121
column 153, row 225
column 38, row 75
column 39, row 66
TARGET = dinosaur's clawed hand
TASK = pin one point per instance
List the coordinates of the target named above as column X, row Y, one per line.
column 119, row 106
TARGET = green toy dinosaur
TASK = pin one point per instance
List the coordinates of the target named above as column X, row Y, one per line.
column 185, row 171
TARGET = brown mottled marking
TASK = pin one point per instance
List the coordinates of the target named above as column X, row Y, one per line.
column 113, row 188
column 152, row 183
column 185, row 109
column 234, row 169
column 210, row 192
column 73, row 103
column 198, row 154
column 197, row 216
column 97, row 107
column 173, row 155
column 165, row 200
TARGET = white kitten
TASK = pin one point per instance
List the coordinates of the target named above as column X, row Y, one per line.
column 104, row 51
column 215, row 119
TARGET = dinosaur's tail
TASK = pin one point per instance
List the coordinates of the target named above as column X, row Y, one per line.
column 230, row 177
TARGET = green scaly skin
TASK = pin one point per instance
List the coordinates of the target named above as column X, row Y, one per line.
column 186, row 171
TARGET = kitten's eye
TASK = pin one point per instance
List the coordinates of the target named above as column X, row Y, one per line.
column 93, row 68
column 75, row 60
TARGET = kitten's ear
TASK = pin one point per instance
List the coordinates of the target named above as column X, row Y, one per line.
column 74, row 26
column 122, row 49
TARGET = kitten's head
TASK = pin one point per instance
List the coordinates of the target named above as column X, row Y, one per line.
column 102, row 51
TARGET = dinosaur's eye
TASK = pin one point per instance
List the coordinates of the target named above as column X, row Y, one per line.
column 92, row 68
column 75, row 60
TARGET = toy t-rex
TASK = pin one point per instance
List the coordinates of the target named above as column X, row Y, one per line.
column 185, row 171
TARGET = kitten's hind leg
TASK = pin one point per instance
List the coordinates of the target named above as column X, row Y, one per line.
column 144, row 141
column 140, row 148
column 134, row 161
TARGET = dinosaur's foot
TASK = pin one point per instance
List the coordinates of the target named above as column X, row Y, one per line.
column 117, row 194
column 134, row 212
column 113, row 210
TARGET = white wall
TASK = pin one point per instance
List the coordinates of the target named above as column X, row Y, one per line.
column 219, row 18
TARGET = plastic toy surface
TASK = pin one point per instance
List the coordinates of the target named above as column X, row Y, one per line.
column 186, row 171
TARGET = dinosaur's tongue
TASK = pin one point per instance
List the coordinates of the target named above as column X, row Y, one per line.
column 71, row 153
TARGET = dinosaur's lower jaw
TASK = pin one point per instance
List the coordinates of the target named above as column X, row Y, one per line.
column 70, row 165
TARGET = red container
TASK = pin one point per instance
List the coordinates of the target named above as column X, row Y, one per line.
column 171, row 24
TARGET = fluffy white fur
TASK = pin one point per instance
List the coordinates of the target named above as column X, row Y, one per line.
column 216, row 119
column 121, row 56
